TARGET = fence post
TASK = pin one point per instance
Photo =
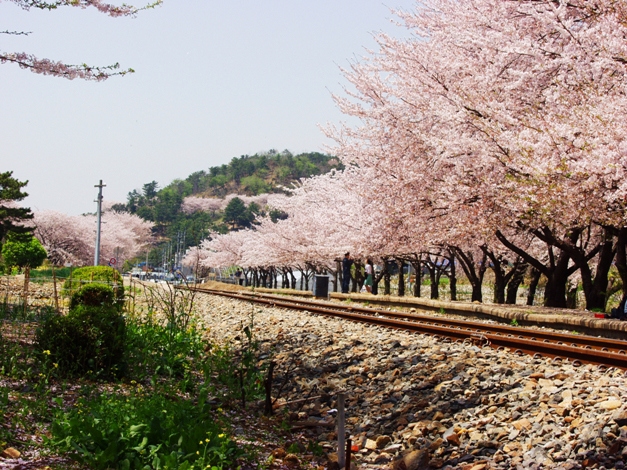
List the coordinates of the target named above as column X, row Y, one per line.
column 341, row 431
column 54, row 286
column 25, row 294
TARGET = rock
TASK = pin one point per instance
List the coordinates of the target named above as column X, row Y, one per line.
column 291, row 460
column 382, row 458
column 436, row 444
column 478, row 466
column 279, row 453
column 610, row 404
column 383, row 441
column 10, row 453
column 522, row 424
column 414, row 460
column 370, row 444
column 620, row 418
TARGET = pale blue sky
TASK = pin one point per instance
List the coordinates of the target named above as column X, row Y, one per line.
column 214, row 80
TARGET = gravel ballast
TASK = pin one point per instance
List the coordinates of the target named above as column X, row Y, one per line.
column 415, row 402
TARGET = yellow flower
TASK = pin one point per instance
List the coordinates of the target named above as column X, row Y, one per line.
column 47, row 352
column 55, row 365
column 221, row 435
column 200, row 443
column 207, row 440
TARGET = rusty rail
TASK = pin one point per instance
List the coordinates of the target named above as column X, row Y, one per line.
column 560, row 346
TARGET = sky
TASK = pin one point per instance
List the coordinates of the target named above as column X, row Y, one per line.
column 214, row 80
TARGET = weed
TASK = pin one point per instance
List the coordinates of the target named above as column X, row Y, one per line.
column 315, row 448
column 154, row 349
column 514, row 322
column 142, row 431
column 293, row 449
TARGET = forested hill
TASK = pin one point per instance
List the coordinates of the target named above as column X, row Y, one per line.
column 248, row 175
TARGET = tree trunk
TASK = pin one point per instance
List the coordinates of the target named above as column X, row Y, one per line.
column 597, row 295
column 571, row 295
column 452, row 277
column 514, row 282
column 386, row 278
column 621, row 258
column 417, row 265
column 474, row 272
column 401, row 279
column 555, row 271
column 358, row 278
column 533, row 285
column 435, row 281
column 376, row 279
column 555, row 291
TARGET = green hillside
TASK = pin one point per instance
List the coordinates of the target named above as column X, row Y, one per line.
column 248, row 175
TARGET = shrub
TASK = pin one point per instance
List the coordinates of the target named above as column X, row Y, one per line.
column 94, row 295
column 97, row 274
column 89, row 340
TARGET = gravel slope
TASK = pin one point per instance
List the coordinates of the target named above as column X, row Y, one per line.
column 414, row 402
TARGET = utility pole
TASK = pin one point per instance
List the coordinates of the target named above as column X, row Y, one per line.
column 98, row 222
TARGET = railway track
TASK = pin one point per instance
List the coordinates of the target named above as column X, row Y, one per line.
column 561, row 347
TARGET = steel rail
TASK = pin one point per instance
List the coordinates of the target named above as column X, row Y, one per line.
column 577, row 348
column 574, row 340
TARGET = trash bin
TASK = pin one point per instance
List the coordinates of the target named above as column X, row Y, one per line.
column 321, row 286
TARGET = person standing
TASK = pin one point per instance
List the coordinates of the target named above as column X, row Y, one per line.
column 347, row 262
column 238, row 276
column 369, row 272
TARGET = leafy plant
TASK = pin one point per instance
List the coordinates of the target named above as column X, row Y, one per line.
column 152, row 349
column 315, row 448
column 237, row 370
column 514, row 322
column 138, row 431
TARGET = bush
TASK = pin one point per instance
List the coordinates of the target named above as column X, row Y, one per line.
column 89, row 340
column 97, row 274
column 94, row 295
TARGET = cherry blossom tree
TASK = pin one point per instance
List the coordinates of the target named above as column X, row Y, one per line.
column 61, row 69
column 192, row 204
column 498, row 115
column 71, row 239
